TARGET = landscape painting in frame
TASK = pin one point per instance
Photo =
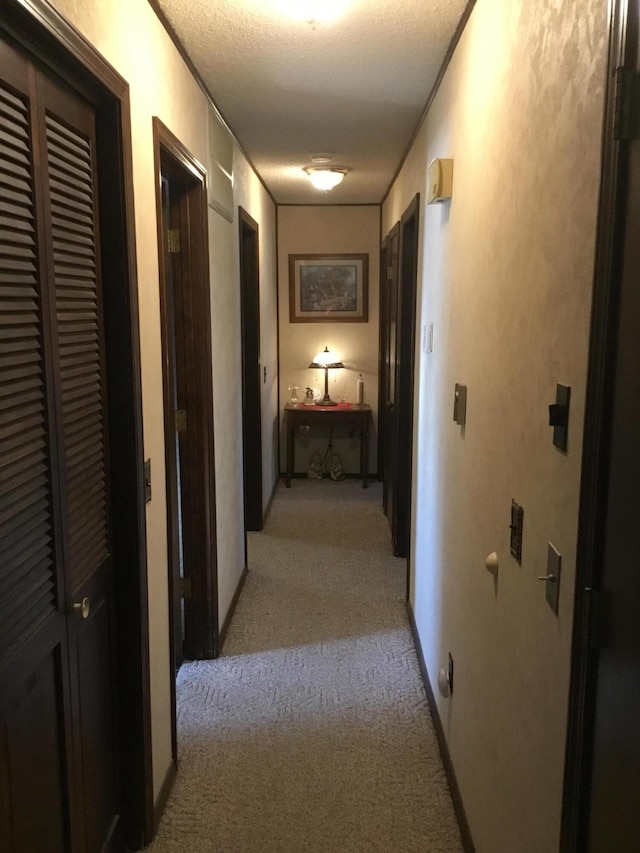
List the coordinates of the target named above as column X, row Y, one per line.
column 328, row 288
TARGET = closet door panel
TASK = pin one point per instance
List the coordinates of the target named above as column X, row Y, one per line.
column 34, row 719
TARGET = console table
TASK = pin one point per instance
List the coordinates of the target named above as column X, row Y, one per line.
column 355, row 416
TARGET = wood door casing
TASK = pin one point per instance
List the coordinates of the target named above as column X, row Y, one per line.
column 388, row 409
column 404, row 372
column 251, row 370
column 181, row 207
column 57, row 497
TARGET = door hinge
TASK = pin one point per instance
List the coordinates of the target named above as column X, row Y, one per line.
column 389, row 273
column 181, row 420
column 186, row 588
column 173, row 241
column 625, row 104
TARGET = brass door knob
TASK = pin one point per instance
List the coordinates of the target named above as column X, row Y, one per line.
column 83, row 607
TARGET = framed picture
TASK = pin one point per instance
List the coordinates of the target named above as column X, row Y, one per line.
column 328, row 288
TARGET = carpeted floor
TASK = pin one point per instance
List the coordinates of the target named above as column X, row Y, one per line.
column 311, row 733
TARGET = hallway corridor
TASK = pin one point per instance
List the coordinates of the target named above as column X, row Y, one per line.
column 312, row 731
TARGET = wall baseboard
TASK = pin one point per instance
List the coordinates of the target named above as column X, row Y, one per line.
column 163, row 796
column 265, row 515
column 456, row 796
column 232, row 608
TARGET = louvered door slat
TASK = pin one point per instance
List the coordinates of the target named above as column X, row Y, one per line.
column 30, row 529
column 72, row 207
column 27, row 579
column 29, row 617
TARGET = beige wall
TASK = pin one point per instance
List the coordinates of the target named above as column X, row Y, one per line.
column 128, row 34
column 505, row 276
column 330, row 229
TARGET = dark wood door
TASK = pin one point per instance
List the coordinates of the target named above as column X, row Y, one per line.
column 173, row 399
column 615, row 774
column 57, row 736
column 405, row 360
column 251, row 371
column 402, row 254
column 388, row 412
column 181, row 210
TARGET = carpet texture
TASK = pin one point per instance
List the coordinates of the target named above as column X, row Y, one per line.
column 311, row 733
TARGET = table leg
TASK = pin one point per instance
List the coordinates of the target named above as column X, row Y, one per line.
column 364, row 453
column 291, row 437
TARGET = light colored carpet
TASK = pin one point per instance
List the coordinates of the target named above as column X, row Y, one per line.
column 311, row 733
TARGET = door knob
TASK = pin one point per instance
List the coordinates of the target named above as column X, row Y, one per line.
column 83, row 607
column 389, row 405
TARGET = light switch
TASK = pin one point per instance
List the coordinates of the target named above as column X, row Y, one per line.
column 147, row 480
column 552, row 578
column 559, row 416
column 460, row 404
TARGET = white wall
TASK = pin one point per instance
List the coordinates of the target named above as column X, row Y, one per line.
column 505, row 276
column 316, row 230
column 128, row 34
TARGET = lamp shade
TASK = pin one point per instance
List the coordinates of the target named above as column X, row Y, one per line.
column 326, row 358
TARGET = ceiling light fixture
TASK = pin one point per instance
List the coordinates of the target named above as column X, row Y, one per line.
column 325, row 177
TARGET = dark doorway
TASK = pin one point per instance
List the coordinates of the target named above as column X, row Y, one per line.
column 388, row 337
column 188, row 401
column 602, row 782
column 73, row 695
column 399, row 358
column 251, row 371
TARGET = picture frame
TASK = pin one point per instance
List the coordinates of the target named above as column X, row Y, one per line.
column 329, row 288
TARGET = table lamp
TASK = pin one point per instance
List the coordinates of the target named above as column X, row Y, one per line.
column 326, row 360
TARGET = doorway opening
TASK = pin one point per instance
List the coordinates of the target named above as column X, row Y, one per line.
column 188, row 403
column 252, row 379
column 397, row 335
column 602, row 778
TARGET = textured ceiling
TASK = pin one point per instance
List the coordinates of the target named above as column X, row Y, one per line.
column 354, row 88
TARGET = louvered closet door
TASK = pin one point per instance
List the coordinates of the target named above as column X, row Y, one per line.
column 56, row 647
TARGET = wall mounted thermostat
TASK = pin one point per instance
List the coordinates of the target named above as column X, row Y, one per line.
column 439, row 181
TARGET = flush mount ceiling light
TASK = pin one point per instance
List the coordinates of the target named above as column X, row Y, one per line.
column 325, row 177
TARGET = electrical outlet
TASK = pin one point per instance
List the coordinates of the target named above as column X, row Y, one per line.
column 450, row 674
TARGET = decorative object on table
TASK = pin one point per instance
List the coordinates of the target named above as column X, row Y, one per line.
column 315, row 468
column 360, row 390
column 336, row 471
column 328, row 288
column 326, row 360
column 311, row 397
column 293, row 399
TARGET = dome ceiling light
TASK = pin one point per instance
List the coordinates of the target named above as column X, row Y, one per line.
column 323, row 176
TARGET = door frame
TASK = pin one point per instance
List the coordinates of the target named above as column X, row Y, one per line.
column 384, row 410
column 248, row 230
column 45, row 35
column 405, row 373
column 200, row 540
column 383, row 343
column 596, row 445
